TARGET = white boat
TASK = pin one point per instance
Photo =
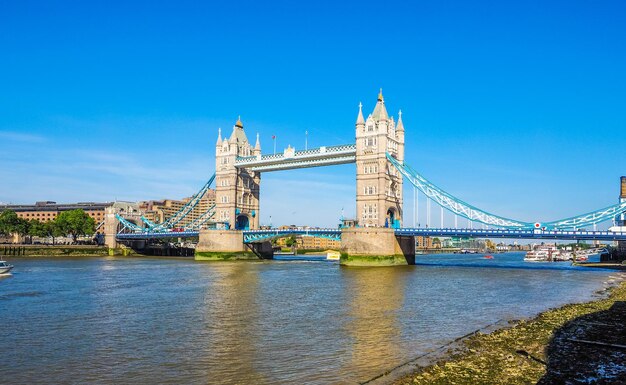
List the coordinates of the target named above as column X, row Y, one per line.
column 583, row 255
column 5, row 267
column 546, row 253
column 333, row 255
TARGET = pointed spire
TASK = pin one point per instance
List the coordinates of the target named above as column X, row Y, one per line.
column 238, row 135
column 257, row 146
column 359, row 119
column 219, row 137
column 380, row 112
column 400, row 125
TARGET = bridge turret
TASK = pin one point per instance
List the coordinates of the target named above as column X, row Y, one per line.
column 379, row 185
column 219, row 138
column 237, row 189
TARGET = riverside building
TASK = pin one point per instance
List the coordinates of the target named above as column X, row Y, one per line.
column 47, row 210
column 159, row 211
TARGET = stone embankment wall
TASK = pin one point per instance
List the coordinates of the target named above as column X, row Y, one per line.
column 60, row 251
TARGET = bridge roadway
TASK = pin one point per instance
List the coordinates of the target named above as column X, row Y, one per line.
column 251, row 236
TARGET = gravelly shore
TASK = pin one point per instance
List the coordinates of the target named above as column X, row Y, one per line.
column 575, row 344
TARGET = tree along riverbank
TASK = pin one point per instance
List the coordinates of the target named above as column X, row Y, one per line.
column 576, row 343
column 25, row 251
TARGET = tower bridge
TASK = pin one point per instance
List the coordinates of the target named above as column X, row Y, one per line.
column 379, row 238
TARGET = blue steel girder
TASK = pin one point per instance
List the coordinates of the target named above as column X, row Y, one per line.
column 592, row 218
column 128, row 225
column 201, row 220
column 465, row 210
column 186, row 209
column 158, row 235
column 452, row 203
column 148, row 222
column 515, row 234
column 250, row 236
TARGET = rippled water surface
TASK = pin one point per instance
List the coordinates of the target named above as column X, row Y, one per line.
column 166, row 321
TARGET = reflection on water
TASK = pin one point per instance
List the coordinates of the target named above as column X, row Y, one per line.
column 231, row 317
column 376, row 298
column 149, row 321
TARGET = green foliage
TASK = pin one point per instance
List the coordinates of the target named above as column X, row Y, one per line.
column 22, row 226
column 9, row 222
column 52, row 229
column 289, row 242
column 74, row 223
column 37, row 229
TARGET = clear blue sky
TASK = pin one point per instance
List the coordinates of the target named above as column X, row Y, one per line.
column 516, row 107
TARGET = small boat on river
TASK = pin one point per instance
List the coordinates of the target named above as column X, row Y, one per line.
column 546, row 253
column 5, row 268
column 333, row 255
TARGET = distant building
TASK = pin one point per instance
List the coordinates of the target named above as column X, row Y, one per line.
column 463, row 243
column 47, row 210
column 159, row 211
column 424, row 242
column 317, row 243
column 502, row 247
column 308, row 242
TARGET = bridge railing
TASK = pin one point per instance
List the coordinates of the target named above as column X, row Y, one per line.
column 515, row 233
column 258, row 235
column 329, row 150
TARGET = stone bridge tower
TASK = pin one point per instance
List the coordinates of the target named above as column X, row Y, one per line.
column 378, row 182
column 236, row 189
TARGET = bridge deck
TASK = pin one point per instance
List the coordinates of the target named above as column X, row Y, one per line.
column 515, row 234
column 258, row 235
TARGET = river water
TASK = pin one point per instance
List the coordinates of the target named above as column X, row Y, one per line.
column 176, row 321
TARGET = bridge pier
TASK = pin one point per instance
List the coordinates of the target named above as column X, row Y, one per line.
column 110, row 228
column 376, row 246
column 222, row 245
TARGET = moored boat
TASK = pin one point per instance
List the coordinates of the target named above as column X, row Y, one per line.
column 333, row 255
column 5, row 268
column 546, row 253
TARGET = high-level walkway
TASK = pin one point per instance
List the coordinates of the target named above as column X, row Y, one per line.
column 291, row 159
